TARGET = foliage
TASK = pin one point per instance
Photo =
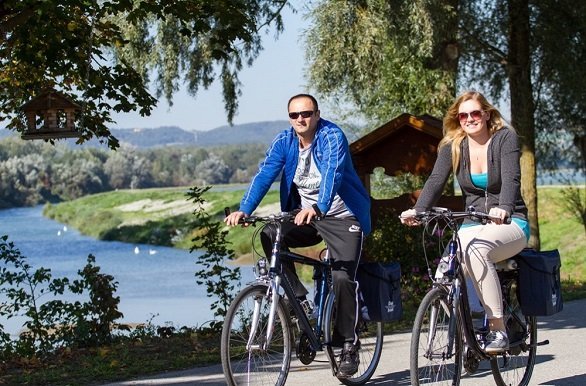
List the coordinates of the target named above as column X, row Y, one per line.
column 143, row 353
column 101, row 54
column 574, row 199
column 54, row 324
column 561, row 230
column 383, row 186
column 36, row 173
column 219, row 278
column 376, row 55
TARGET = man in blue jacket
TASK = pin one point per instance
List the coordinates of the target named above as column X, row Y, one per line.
column 319, row 179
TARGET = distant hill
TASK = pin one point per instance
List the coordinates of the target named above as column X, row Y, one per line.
column 257, row 132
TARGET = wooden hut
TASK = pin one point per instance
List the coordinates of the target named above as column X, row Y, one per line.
column 406, row 144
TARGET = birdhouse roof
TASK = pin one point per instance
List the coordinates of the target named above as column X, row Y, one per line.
column 49, row 99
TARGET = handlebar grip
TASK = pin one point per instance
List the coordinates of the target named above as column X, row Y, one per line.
column 226, row 211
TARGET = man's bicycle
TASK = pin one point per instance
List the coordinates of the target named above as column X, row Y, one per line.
column 446, row 341
column 266, row 322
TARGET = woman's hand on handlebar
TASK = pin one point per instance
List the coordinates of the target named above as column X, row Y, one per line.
column 234, row 218
column 498, row 215
column 408, row 218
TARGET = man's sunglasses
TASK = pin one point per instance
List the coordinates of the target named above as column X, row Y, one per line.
column 304, row 114
column 476, row 115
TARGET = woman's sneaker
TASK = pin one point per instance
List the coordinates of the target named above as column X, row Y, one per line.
column 496, row 342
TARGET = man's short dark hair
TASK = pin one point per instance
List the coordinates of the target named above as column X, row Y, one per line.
column 313, row 100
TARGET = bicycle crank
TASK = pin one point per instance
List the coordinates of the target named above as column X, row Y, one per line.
column 471, row 361
column 303, row 350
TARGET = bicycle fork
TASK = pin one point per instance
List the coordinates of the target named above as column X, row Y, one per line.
column 273, row 295
column 450, row 309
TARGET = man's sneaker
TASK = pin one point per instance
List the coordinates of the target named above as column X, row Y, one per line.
column 348, row 361
column 496, row 341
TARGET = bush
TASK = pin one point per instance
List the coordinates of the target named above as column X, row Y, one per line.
column 56, row 323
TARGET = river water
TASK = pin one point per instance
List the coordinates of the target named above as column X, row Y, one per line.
column 154, row 283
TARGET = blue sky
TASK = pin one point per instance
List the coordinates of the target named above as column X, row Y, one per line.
column 275, row 75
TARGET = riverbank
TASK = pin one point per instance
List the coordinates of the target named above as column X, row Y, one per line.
column 162, row 216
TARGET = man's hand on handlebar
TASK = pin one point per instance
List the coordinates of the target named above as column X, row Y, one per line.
column 304, row 216
column 234, row 218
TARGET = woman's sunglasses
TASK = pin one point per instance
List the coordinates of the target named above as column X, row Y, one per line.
column 476, row 115
column 304, row 114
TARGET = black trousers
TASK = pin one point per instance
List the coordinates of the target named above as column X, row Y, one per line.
column 343, row 238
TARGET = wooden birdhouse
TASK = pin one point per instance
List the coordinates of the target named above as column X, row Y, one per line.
column 50, row 115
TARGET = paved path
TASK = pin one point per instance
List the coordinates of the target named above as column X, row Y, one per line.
column 562, row 362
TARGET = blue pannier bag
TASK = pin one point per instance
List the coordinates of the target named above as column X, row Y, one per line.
column 380, row 291
column 540, row 291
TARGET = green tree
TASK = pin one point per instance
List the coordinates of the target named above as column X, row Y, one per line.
column 382, row 56
column 530, row 53
column 101, row 54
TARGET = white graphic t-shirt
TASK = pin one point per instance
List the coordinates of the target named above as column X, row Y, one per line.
column 308, row 178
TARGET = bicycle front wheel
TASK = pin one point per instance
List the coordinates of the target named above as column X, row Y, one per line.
column 436, row 342
column 371, row 337
column 514, row 367
column 247, row 358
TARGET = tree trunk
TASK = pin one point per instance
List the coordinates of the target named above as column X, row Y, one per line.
column 523, row 107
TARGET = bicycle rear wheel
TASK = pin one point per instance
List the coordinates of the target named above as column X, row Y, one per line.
column 436, row 342
column 514, row 367
column 255, row 364
column 371, row 344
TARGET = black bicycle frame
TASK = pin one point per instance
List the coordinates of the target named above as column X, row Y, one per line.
column 323, row 268
column 464, row 308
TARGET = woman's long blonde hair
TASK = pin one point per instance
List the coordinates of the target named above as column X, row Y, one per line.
column 453, row 132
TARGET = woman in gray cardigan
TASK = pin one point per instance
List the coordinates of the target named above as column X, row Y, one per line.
column 484, row 153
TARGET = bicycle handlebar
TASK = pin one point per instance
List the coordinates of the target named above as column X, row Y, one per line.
column 450, row 215
column 274, row 217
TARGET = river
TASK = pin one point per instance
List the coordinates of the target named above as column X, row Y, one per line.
column 154, row 283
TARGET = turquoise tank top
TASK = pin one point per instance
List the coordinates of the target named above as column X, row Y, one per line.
column 480, row 180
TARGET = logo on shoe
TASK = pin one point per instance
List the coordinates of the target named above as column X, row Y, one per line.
column 354, row 228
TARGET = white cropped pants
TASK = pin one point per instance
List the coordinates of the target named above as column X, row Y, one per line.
column 483, row 246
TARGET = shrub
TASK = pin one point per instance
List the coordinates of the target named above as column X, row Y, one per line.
column 54, row 323
column 219, row 278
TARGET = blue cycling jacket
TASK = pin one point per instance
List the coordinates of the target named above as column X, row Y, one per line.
column 332, row 156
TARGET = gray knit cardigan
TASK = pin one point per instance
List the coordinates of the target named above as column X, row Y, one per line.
column 504, row 177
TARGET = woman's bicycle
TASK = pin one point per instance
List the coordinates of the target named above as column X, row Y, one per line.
column 446, row 340
column 265, row 323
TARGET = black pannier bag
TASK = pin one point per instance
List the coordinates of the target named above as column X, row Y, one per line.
column 380, row 289
column 540, row 290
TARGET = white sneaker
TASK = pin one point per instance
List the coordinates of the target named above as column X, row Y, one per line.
column 496, row 342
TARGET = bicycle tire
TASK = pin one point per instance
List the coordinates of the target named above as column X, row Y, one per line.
column 371, row 344
column 437, row 367
column 514, row 367
column 259, row 365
